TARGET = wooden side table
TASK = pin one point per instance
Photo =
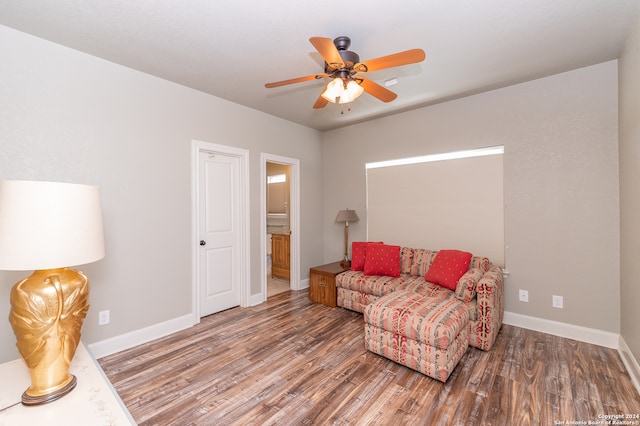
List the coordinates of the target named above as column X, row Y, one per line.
column 322, row 283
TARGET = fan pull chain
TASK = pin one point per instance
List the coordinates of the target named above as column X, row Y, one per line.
column 348, row 109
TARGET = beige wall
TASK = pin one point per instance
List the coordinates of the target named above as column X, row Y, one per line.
column 67, row 116
column 72, row 117
column 629, row 192
column 560, row 179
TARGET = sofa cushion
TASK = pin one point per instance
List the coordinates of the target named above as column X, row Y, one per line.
column 356, row 300
column 482, row 263
column 377, row 285
column 448, row 267
column 472, row 307
column 424, row 288
column 359, row 253
column 406, row 259
column 426, row 319
column 466, row 287
column 382, row 259
column 426, row 334
column 422, row 260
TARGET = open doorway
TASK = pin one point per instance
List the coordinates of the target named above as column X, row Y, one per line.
column 278, row 228
column 279, row 211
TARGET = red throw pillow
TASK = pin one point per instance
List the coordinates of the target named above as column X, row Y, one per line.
column 448, row 267
column 382, row 259
column 358, row 254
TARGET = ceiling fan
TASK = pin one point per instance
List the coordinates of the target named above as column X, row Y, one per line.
column 343, row 65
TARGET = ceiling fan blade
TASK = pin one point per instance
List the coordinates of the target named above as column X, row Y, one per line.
column 295, row 80
column 397, row 59
column 320, row 102
column 328, row 50
column 374, row 89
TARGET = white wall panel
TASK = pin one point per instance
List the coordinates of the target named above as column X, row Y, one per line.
column 451, row 204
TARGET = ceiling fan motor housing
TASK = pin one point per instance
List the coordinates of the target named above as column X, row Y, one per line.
column 349, row 58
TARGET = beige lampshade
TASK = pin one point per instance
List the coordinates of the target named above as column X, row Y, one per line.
column 347, row 216
column 45, row 225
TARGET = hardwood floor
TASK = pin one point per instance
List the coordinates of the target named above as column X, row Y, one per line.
column 293, row 362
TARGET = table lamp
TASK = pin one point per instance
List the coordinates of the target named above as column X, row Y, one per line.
column 49, row 227
column 346, row 216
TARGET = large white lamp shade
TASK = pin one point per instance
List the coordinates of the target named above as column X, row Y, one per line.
column 46, row 225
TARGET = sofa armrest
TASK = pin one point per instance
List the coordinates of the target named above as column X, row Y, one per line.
column 490, row 293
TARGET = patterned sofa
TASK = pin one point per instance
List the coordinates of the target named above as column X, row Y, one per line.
column 480, row 288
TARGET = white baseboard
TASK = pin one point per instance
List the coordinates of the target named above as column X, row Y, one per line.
column 133, row 338
column 630, row 362
column 570, row 331
column 256, row 299
column 304, row 284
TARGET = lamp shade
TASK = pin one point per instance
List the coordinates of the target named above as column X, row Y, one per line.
column 334, row 90
column 347, row 216
column 353, row 91
column 45, row 225
column 339, row 91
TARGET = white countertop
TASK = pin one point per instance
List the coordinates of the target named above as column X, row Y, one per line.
column 92, row 402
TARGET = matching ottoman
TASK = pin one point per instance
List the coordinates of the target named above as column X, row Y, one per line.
column 427, row 334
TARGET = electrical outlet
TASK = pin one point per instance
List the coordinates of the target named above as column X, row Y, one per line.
column 523, row 295
column 557, row 301
column 103, row 317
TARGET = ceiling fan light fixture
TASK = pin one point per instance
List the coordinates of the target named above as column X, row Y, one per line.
column 354, row 90
column 334, row 90
column 338, row 92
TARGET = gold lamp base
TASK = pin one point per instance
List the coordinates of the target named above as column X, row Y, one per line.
column 47, row 312
column 50, row 397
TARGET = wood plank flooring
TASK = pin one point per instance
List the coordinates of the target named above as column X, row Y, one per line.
column 293, row 362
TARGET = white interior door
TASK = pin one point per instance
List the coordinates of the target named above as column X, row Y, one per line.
column 219, row 229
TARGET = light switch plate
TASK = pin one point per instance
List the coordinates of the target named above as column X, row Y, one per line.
column 557, row 302
column 103, row 317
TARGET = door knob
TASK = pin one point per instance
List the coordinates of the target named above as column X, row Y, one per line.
column 203, row 243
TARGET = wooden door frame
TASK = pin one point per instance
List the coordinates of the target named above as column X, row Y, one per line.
column 243, row 199
column 294, row 219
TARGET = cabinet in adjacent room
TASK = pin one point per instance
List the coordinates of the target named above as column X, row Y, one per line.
column 280, row 255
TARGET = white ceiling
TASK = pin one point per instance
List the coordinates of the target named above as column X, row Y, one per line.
column 231, row 48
